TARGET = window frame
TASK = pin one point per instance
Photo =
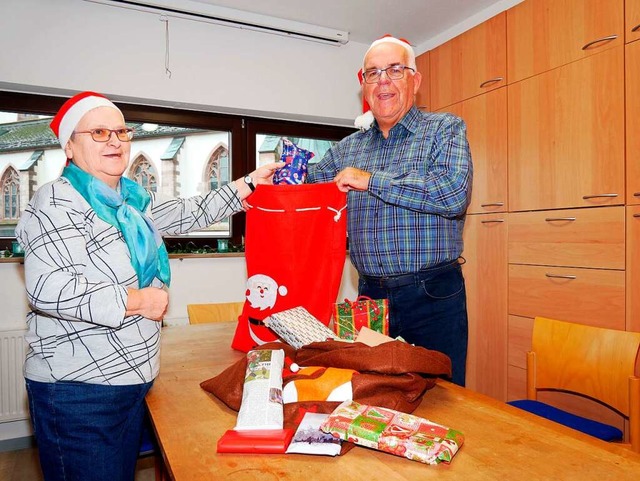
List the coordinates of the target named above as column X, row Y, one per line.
column 243, row 130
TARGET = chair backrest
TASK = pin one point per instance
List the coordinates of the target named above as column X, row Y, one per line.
column 215, row 312
column 592, row 361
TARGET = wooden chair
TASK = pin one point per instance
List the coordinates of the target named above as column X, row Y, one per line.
column 216, row 312
column 589, row 361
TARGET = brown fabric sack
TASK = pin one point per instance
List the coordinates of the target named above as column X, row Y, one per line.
column 394, row 375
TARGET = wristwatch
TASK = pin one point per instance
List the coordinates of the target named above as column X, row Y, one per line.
column 249, row 181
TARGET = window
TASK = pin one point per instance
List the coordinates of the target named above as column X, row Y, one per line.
column 218, row 171
column 144, row 173
column 10, row 184
column 175, row 152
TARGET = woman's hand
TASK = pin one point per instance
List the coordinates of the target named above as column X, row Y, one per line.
column 149, row 302
column 262, row 175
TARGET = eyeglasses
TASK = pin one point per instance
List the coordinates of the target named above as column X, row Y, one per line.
column 103, row 135
column 395, row 72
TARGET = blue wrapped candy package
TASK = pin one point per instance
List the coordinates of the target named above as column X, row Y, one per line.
column 296, row 159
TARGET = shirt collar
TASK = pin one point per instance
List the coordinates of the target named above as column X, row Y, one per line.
column 409, row 122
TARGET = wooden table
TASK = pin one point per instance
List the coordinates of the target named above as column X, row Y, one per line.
column 501, row 442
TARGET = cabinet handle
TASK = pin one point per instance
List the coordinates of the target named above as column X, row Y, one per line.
column 502, row 220
column 636, row 28
column 488, row 83
column 603, row 39
column 555, row 219
column 595, row 196
column 500, row 204
column 636, row 215
column 636, row 194
column 558, row 276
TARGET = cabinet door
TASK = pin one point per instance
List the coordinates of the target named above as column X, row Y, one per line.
column 632, row 62
column 485, row 272
column 571, row 237
column 470, row 64
column 423, row 100
column 566, row 135
column 595, row 297
column 486, row 119
column 633, row 268
column 632, row 20
column 520, row 333
column 544, row 34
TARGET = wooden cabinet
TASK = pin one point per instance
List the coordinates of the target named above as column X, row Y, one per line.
column 592, row 238
column 633, row 269
column 545, row 34
column 632, row 20
column 423, row 98
column 632, row 74
column 594, row 297
column 519, row 339
column 485, row 272
column 486, row 120
column 469, row 64
column 566, row 135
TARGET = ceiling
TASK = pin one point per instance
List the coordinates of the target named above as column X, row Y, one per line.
column 366, row 20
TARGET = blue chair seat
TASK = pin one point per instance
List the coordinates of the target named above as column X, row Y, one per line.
column 597, row 429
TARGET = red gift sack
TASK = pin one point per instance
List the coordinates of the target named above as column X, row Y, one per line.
column 295, row 248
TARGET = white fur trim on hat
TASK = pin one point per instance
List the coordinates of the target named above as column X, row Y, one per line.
column 71, row 113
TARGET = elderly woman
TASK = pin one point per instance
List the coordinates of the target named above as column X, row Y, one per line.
column 95, row 271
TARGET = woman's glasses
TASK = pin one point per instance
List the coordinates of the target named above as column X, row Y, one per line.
column 103, row 135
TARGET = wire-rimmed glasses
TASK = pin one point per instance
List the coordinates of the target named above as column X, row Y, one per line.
column 394, row 72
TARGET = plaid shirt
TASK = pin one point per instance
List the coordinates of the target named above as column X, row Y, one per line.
column 412, row 216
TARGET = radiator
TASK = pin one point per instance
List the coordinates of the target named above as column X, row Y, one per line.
column 13, row 395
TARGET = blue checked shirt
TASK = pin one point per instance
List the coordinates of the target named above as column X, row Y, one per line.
column 412, row 216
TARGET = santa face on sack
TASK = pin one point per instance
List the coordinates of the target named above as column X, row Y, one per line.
column 262, row 294
column 262, row 291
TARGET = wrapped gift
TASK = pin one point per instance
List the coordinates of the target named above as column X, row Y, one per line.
column 296, row 162
column 393, row 432
column 351, row 316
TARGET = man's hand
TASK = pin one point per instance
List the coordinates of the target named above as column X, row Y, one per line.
column 352, row 179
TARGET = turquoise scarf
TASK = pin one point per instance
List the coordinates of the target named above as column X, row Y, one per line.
column 125, row 212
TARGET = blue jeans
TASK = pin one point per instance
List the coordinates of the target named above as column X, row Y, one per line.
column 427, row 308
column 87, row 432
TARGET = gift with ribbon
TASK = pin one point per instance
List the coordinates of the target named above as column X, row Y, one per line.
column 351, row 316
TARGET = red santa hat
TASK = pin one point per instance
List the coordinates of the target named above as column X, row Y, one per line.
column 65, row 121
column 365, row 121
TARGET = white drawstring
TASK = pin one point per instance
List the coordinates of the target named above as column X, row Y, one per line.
column 338, row 213
column 336, row 217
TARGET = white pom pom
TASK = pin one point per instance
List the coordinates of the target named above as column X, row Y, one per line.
column 364, row 121
column 294, row 367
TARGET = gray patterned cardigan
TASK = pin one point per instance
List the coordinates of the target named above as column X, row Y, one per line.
column 77, row 270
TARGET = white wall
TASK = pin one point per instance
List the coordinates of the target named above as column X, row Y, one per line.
column 63, row 46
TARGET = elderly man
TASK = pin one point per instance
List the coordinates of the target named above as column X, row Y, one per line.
column 408, row 176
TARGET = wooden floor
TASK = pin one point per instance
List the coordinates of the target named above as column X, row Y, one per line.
column 23, row 465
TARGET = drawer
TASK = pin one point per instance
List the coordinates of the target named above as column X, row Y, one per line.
column 593, row 237
column 595, row 297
